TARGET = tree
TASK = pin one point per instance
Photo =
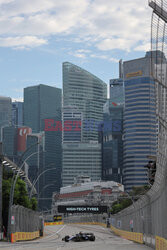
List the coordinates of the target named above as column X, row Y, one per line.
column 34, row 203
column 120, row 204
column 20, row 195
column 125, row 201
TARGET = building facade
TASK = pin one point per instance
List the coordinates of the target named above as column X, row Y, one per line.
column 83, row 98
column 140, row 124
column 87, row 93
column 72, row 123
column 81, row 159
column 40, row 102
column 17, row 113
column 43, row 103
column 87, row 193
column 5, row 113
column 9, row 142
column 53, row 161
column 117, row 91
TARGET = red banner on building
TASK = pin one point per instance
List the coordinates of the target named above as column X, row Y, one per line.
column 21, row 138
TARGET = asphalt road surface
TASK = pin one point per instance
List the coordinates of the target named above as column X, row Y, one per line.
column 105, row 240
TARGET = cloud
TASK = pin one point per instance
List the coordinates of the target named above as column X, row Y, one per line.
column 104, row 24
column 22, row 42
column 111, row 59
column 115, row 43
column 80, row 53
column 17, row 99
column 143, row 47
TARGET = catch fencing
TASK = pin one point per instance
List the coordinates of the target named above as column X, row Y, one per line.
column 25, row 224
column 148, row 214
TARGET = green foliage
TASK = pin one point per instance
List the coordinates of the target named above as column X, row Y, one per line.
column 20, row 195
column 124, row 200
column 139, row 190
column 34, row 203
column 120, row 204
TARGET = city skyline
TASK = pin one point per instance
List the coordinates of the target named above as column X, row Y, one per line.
column 37, row 37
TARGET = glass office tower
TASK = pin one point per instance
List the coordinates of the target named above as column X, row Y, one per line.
column 110, row 137
column 44, row 102
column 40, row 102
column 17, row 113
column 87, row 93
column 140, row 125
column 5, row 113
column 117, row 91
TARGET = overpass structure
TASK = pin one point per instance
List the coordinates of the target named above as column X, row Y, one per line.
column 148, row 214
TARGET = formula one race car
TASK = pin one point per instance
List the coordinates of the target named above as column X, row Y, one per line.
column 80, row 237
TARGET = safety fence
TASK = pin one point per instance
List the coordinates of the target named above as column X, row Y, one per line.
column 142, row 238
column 26, row 224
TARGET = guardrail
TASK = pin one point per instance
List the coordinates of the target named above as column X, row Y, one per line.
column 160, row 243
column 53, row 223
column 21, row 236
column 137, row 237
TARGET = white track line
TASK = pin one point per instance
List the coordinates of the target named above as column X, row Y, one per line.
column 49, row 236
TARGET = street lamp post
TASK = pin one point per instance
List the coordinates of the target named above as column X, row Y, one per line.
column 14, row 180
column 49, row 169
column 46, row 186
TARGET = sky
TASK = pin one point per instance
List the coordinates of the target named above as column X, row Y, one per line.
column 37, row 36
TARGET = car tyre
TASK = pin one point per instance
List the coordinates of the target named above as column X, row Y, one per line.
column 66, row 239
column 92, row 238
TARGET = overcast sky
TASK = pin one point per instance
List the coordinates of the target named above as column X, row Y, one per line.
column 36, row 36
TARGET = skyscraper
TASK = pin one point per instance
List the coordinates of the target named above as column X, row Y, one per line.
column 53, row 161
column 44, row 102
column 110, row 136
column 9, row 142
column 5, row 112
column 140, row 125
column 117, row 91
column 17, row 113
column 86, row 95
column 40, row 102
column 72, row 124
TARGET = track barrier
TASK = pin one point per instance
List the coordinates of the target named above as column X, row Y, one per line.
column 53, row 223
column 21, row 236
